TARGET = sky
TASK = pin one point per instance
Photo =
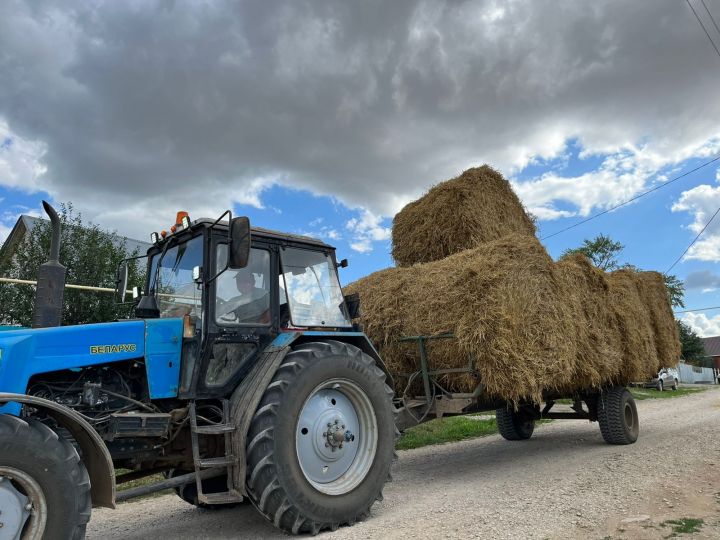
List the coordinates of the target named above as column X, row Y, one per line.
column 326, row 117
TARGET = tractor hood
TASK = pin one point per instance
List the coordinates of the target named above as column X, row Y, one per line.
column 26, row 352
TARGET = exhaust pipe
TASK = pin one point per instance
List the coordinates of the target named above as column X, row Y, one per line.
column 50, row 280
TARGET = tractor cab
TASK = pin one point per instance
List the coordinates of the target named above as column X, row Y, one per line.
column 237, row 289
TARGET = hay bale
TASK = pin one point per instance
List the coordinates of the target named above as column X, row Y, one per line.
column 596, row 332
column 503, row 303
column 637, row 336
column 654, row 294
column 533, row 326
column 476, row 207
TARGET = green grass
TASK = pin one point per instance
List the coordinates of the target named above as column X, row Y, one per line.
column 442, row 430
column 652, row 393
column 683, row 526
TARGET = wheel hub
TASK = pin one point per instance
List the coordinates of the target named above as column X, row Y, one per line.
column 15, row 509
column 336, row 436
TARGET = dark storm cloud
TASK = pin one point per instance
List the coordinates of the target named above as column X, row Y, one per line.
column 370, row 101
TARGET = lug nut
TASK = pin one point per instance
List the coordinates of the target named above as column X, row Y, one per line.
column 343, row 426
column 327, row 444
column 324, row 433
column 28, row 506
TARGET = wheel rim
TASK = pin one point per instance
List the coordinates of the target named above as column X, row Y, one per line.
column 336, row 436
column 24, row 509
column 629, row 417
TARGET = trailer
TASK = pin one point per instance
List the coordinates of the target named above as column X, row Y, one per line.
column 612, row 407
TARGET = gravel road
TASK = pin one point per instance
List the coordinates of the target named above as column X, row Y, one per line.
column 565, row 482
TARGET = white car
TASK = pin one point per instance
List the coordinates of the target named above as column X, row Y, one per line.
column 666, row 378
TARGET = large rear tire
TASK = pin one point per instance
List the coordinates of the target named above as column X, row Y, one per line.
column 617, row 416
column 513, row 425
column 322, row 440
column 44, row 486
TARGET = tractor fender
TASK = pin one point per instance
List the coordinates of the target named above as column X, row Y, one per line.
column 95, row 455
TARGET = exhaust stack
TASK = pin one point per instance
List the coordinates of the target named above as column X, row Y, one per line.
column 50, row 280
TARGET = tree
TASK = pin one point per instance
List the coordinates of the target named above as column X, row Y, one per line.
column 693, row 350
column 91, row 256
column 603, row 252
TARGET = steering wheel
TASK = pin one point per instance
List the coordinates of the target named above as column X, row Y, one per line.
column 229, row 308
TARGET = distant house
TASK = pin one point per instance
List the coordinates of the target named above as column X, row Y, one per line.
column 712, row 349
column 25, row 224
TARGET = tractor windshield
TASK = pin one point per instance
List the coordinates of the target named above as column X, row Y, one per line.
column 311, row 289
column 177, row 294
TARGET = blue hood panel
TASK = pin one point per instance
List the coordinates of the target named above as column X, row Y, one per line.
column 27, row 352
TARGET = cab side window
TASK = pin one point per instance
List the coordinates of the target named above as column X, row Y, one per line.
column 243, row 296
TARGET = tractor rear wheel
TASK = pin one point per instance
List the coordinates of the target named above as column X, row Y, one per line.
column 617, row 416
column 513, row 425
column 44, row 486
column 322, row 440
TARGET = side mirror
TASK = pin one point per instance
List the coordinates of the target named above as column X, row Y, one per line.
column 239, row 245
column 342, row 264
column 352, row 301
column 121, row 281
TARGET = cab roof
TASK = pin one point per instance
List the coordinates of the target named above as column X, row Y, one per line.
column 276, row 236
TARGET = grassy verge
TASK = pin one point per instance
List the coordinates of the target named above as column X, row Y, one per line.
column 652, row 393
column 442, row 430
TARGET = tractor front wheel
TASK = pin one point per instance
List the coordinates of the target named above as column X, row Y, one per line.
column 44, row 487
column 322, row 441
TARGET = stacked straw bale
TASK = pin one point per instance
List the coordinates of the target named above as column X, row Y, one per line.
column 476, row 207
column 532, row 325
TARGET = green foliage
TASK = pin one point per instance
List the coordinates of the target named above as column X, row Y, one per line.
column 603, row 252
column 91, row 257
column 693, row 350
column 651, row 393
column 676, row 290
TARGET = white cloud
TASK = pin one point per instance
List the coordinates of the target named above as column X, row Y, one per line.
column 21, row 165
column 702, row 202
column 702, row 324
column 367, row 229
column 621, row 176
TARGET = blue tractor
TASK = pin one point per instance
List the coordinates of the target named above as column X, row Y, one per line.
column 240, row 377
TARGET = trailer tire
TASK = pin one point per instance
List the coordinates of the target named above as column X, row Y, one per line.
column 47, row 469
column 617, row 416
column 512, row 425
column 288, row 439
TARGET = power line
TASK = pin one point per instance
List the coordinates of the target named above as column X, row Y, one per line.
column 636, row 197
column 703, row 26
column 693, row 242
column 711, row 16
column 698, row 309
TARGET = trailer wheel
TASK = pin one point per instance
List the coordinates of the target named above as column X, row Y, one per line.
column 322, row 440
column 44, row 487
column 617, row 416
column 514, row 426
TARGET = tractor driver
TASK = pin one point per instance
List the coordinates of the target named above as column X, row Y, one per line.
column 250, row 304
